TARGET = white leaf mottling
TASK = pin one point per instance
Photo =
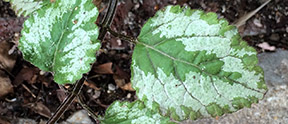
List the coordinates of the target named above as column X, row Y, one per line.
column 72, row 47
column 196, row 90
column 76, row 55
column 235, row 65
column 195, row 93
column 25, row 7
column 196, row 34
column 39, row 32
column 136, row 115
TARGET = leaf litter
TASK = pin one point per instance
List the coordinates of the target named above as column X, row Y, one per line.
column 138, row 11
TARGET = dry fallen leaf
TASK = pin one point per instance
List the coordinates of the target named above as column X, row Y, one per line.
column 104, row 68
column 5, row 84
column 61, row 94
column 121, row 73
column 91, row 85
column 121, row 77
column 26, row 74
column 4, row 121
column 7, row 61
column 120, row 82
column 128, row 87
column 41, row 109
column 97, row 3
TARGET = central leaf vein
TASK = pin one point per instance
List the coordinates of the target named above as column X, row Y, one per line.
column 60, row 39
column 191, row 64
column 155, row 71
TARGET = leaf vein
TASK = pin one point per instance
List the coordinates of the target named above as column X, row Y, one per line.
column 157, row 26
column 177, row 77
column 59, row 40
column 191, row 64
column 155, row 71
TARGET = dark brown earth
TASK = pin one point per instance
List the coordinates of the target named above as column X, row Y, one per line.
column 35, row 95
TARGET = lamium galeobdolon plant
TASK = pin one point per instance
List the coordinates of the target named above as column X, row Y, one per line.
column 186, row 64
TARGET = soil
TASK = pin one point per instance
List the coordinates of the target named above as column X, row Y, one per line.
column 36, row 96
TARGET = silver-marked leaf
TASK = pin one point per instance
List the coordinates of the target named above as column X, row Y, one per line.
column 132, row 113
column 62, row 38
column 26, row 7
column 191, row 64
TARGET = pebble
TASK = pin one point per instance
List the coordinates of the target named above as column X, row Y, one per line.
column 111, row 87
column 89, row 90
column 275, row 66
column 257, row 22
column 109, row 91
column 42, row 72
column 96, row 94
column 128, row 95
column 274, row 37
column 24, row 121
column 80, row 117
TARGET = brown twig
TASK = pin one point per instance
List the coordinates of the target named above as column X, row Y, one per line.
column 26, row 88
column 106, row 22
column 66, row 103
column 241, row 21
column 121, row 36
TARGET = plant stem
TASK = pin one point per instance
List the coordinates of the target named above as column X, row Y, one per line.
column 121, row 36
column 87, row 108
column 68, row 100
column 106, row 22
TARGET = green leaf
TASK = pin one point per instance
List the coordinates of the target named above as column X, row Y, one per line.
column 26, row 7
column 132, row 113
column 62, row 38
column 193, row 65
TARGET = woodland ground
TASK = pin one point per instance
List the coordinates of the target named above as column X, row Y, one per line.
column 33, row 94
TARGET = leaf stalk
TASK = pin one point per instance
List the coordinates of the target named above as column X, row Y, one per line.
column 108, row 18
column 68, row 100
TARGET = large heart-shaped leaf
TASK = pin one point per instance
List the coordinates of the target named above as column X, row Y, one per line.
column 191, row 64
column 25, row 7
column 132, row 113
column 62, row 38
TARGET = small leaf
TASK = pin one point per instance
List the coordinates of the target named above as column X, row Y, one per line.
column 62, row 38
column 132, row 113
column 26, row 7
column 194, row 65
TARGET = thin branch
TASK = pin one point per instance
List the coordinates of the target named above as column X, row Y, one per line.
column 121, row 36
column 241, row 21
column 106, row 22
column 68, row 100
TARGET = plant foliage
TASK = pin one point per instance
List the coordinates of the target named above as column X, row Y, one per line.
column 26, row 7
column 61, row 37
column 186, row 64
column 190, row 64
column 133, row 113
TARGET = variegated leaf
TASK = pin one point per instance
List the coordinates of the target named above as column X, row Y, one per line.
column 132, row 113
column 62, row 38
column 26, row 7
column 191, row 64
